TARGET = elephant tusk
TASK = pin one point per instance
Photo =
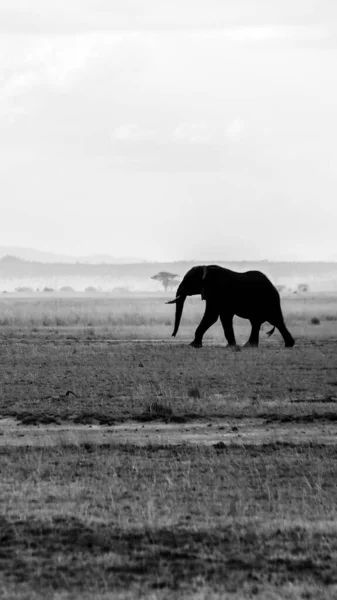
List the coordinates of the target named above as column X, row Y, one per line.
column 173, row 301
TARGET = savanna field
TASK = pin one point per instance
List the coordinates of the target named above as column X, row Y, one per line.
column 135, row 466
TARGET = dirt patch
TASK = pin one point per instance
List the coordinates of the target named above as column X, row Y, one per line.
column 225, row 432
column 324, row 400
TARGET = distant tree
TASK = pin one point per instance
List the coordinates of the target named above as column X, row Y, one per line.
column 303, row 287
column 24, row 289
column 8, row 258
column 66, row 288
column 166, row 279
column 120, row 290
column 280, row 288
column 48, row 289
column 90, row 289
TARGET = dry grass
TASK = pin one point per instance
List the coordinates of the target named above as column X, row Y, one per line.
column 117, row 381
column 90, row 519
column 99, row 518
column 136, row 312
column 62, row 312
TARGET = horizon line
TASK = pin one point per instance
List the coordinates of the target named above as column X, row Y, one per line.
column 158, row 262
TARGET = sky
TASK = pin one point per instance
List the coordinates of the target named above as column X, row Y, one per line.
column 169, row 130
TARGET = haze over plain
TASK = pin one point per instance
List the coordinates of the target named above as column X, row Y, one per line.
column 169, row 131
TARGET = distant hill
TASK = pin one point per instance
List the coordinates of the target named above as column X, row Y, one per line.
column 17, row 267
column 131, row 276
column 30, row 254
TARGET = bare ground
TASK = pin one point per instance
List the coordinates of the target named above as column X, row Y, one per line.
column 243, row 431
column 152, row 470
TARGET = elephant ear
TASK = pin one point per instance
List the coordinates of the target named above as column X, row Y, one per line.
column 210, row 282
column 205, row 282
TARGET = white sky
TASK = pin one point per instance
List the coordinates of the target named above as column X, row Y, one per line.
column 167, row 130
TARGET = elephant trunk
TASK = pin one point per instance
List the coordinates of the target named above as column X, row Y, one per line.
column 179, row 311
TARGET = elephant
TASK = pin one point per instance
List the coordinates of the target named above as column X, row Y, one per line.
column 250, row 295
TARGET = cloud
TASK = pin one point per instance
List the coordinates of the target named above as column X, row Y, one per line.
column 192, row 132
column 65, row 16
column 33, row 65
column 76, row 94
column 235, row 129
column 132, row 132
column 277, row 33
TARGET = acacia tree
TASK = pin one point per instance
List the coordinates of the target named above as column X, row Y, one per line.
column 166, row 279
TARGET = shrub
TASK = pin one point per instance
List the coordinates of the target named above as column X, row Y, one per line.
column 194, row 392
column 90, row 332
column 315, row 321
column 24, row 289
column 156, row 410
column 121, row 290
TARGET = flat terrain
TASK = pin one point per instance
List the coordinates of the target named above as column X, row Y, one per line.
column 132, row 465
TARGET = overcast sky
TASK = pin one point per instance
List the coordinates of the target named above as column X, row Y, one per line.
column 163, row 130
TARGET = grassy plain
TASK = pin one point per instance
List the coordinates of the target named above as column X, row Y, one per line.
column 116, row 516
column 111, row 313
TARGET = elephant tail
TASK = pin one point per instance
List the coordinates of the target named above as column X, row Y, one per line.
column 271, row 331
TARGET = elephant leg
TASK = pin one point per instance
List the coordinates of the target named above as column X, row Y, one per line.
column 210, row 317
column 280, row 325
column 253, row 341
column 288, row 338
column 227, row 324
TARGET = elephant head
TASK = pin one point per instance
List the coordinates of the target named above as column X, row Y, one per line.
column 192, row 284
